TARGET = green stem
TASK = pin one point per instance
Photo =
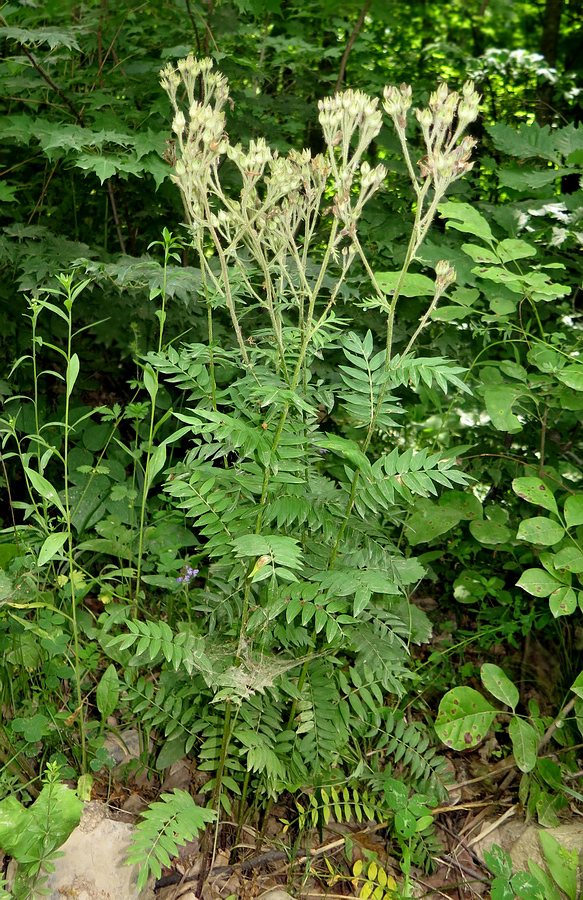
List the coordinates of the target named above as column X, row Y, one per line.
column 76, row 667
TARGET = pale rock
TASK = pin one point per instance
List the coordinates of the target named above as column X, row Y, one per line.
column 93, row 867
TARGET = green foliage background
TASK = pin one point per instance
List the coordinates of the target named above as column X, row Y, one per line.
column 85, row 187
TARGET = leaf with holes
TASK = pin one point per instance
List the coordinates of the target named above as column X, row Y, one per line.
column 463, row 718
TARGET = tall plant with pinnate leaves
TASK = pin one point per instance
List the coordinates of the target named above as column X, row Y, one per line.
column 304, row 606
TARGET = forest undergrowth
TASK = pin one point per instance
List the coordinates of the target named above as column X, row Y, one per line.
column 292, row 476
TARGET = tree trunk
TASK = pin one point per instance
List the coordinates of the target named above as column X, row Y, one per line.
column 549, row 46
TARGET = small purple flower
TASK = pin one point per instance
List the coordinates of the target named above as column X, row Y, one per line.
column 190, row 573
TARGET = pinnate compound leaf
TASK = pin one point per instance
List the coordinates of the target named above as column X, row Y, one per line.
column 535, row 491
column 540, row 530
column 173, row 818
column 463, row 718
column 524, row 743
column 538, row 582
column 499, row 685
column 574, row 511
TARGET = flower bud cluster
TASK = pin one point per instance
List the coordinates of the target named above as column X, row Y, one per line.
column 341, row 117
column 446, row 276
column 397, row 101
column 200, row 134
column 443, row 123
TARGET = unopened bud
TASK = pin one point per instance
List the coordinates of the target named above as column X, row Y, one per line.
column 446, row 275
column 424, row 117
column 179, row 123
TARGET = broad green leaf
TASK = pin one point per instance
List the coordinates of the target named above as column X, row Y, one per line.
column 574, row 510
column 413, row 285
column 540, row 530
column 535, row 491
column 499, row 401
column 429, row 521
column 155, row 465
column 572, row 376
column 499, row 685
column 562, row 863
column 521, row 179
column 563, row 601
column 22, row 831
column 466, row 505
column 172, row 750
column 44, row 488
column 547, row 806
column 107, row 693
column 525, row 142
column 53, row 36
column 51, row 546
column 72, row 373
column 570, row 559
column 502, row 306
column 465, row 217
column 538, row 582
column 150, row 382
column 524, row 743
column 551, row 891
column 498, row 861
column 501, row 889
column 489, row 532
column 577, row 686
column 8, row 192
column 84, row 787
column 463, row 718
column 349, row 450
column 480, row 254
column 527, row 887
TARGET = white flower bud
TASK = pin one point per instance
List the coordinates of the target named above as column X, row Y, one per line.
column 179, row 123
